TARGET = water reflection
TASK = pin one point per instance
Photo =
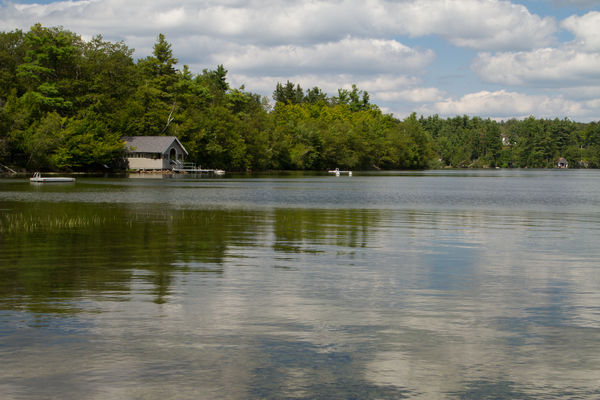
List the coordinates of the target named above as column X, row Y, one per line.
column 151, row 300
column 63, row 251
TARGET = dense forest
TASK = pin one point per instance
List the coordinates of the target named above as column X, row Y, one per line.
column 66, row 102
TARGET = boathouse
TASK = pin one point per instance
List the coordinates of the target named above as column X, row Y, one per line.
column 153, row 152
column 562, row 163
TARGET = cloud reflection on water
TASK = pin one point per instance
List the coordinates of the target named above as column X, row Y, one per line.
column 130, row 300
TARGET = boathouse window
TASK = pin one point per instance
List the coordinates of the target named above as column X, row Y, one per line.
column 153, row 156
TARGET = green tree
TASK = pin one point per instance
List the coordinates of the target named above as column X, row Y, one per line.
column 88, row 144
column 423, row 152
column 154, row 103
column 12, row 54
column 42, row 140
column 315, row 96
column 216, row 83
column 219, row 141
column 288, row 93
column 50, row 65
column 107, row 78
column 356, row 99
column 589, row 151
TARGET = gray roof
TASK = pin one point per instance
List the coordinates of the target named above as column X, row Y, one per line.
column 150, row 144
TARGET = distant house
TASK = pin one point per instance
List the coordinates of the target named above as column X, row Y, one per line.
column 153, row 152
column 562, row 163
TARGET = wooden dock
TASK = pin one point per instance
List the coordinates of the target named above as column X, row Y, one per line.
column 38, row 178
column 199, row 171
column 191, row 168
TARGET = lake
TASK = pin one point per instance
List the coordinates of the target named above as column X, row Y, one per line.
column 458, row 284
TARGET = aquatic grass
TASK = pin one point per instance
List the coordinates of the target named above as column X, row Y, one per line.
column 19, row 222
column 37, row 221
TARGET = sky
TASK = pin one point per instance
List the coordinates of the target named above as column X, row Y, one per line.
column 488, row 58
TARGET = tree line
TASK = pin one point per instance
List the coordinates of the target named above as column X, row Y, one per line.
column 529, row 143
column 65, row 103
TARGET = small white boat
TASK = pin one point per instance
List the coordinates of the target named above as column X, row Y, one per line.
column 337, row 172
column 37, row 178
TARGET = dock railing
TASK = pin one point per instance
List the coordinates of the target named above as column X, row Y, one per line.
column 180, row 166
column 183, row 166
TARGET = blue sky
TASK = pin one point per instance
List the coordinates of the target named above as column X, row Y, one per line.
column 488, row 58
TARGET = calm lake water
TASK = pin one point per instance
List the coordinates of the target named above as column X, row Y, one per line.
column 431, row 285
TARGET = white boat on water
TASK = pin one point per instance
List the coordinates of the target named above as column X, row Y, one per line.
column 337, row 172
column 37, row 178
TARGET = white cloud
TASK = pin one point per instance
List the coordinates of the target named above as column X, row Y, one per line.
column 328, row 83
column 334, row 43
column 549, row 67
column 479, row 24
column 265, row 84
column 170, row 18
column 586, row 30
column 574, row 63
column 504, row 104
column 581, row 92
column 594, row 106
column 357, row 56
column 383, row 82
column 415, row 95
